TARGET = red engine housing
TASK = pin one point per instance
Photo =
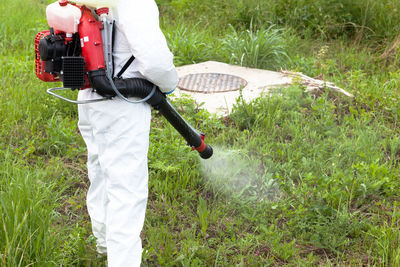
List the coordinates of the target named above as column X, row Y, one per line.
column 39, row 63
column 91, row 43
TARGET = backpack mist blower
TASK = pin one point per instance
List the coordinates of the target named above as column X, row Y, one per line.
column 77, row 50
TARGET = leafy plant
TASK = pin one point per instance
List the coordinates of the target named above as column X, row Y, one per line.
column 258, row 48
column 203, row 213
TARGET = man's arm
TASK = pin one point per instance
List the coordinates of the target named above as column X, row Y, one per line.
column 139, row 22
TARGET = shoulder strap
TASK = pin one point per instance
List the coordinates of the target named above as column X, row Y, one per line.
column 127, row 64
column 112, row 47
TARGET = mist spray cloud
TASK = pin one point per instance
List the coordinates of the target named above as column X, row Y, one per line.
column 234, row 174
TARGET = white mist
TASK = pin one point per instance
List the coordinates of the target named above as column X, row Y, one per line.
column 234, row 174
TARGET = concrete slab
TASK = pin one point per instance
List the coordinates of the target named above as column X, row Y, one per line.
column 221, row 103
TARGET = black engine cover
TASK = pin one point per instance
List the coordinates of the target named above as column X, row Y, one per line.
column 51, row 49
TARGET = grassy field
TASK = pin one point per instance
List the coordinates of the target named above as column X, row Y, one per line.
column 298, row 179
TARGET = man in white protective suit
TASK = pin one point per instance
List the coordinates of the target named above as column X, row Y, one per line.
column 117, row 135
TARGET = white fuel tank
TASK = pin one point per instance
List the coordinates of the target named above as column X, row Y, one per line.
column 63, row 18
column 96, row 3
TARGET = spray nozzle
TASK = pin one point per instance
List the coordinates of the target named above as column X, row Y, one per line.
column 204, row 150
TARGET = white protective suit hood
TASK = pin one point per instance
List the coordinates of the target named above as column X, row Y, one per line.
column 97, row 3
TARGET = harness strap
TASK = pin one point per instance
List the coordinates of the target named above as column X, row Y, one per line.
column 127, row 64
column 112, row 46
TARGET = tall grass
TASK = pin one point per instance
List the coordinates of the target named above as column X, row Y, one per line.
column 26, row 215
column 188, row 44
column 376, row 20
column 259, row 48
column 263, row 48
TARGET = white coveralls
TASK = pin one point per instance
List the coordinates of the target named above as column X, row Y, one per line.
column 117, row 135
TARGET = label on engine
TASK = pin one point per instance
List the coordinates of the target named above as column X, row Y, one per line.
column 84, row 40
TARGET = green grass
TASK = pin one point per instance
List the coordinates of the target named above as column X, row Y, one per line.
column 358, row 19
column 297, row 179
column 257, row 48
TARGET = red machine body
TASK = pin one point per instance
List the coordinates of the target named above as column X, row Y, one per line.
column 90, row 44
column 91, row 41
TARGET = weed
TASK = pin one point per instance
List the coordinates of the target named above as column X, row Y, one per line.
column 188, row 44
column 203, row 214
column 258, row 48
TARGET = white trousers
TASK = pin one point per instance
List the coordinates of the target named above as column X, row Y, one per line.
column 117, row 137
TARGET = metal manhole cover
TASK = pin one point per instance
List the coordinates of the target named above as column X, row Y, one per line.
column 211, row 83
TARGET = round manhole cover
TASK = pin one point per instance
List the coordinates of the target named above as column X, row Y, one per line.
column 211, row 83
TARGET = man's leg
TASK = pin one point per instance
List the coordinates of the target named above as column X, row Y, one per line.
column 96, row 197
column 122, row 130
